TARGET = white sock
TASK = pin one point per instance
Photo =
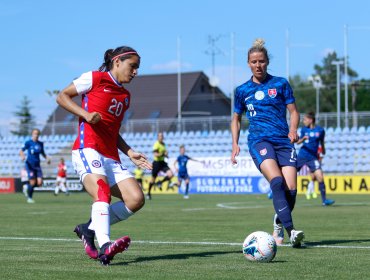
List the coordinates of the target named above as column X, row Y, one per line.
column 100, row 222
column 64, row 189
column 118, row 212
column 56, row 189
column 311, row 187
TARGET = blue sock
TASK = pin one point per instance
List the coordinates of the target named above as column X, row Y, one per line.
column 30, row 191
column 187, row 189
column 322, row 191
column 281, row 205
column 291, row 196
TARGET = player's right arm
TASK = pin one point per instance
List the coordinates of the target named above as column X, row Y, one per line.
column 175, row 165
column 235, row 132
column 21, row 152
column 64, row 99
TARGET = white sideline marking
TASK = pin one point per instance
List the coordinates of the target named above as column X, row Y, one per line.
column 178, row 242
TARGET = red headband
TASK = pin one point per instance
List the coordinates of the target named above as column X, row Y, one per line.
column 122, row 54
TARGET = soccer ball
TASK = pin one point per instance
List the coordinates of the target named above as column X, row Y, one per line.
column 259, row 246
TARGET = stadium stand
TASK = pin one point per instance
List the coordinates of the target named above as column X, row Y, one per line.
column 347, row 150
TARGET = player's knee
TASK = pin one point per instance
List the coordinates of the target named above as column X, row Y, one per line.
column 104, row 194
column 136, row 201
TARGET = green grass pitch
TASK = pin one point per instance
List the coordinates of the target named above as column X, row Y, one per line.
column 173, row 238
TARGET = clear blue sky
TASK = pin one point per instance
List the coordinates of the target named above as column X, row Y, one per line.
column 45, row 44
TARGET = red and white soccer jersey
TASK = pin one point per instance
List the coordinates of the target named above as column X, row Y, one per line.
column 103, row 94
column 62, row 170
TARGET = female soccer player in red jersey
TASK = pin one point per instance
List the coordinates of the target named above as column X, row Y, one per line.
column 95, row 151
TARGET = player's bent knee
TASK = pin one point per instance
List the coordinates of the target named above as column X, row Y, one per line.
column 104, row 194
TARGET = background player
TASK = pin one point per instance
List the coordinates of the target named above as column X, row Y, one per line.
column 34, row 149
column 311, row 185
column 139, row 176
column 159, row 164
column 24, row 181
column 312, row 136
column 265, row 99
column 61, row 180
column 182, row 170
column 95, row 152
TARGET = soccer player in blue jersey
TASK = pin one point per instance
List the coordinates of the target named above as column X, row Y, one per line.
column 312, row 136
column 34, row 148
column 264, row 99
column 182, row 161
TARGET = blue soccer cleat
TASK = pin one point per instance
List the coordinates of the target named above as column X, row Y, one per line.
column 328, row 202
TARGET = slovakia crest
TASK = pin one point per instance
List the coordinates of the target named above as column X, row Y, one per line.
column 272, row 92
column 263, row 152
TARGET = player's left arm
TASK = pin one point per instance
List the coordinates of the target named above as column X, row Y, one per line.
column 322, row 142
column 48, row 159
column 294, row 121
column 137, row 158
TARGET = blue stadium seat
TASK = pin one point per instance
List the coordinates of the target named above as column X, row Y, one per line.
column 337, row 130
column 361, row 130
column 345, row 130
column 330, row 130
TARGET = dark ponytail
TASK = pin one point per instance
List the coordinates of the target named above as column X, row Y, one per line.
column 111, row 53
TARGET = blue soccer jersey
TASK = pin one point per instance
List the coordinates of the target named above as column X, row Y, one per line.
column 265, row 107
column 34, row 149
column 183, row 161
column 309, row 148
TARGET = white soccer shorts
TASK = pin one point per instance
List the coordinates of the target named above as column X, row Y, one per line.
column 89, row 161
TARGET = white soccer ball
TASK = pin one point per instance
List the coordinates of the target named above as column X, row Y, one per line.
column 259, row 246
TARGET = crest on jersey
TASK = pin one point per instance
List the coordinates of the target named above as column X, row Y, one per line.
column 259, row 95
column 263, row 152
column 126, row 101
column 96, row 163
column 317, row 134
column 272, row 92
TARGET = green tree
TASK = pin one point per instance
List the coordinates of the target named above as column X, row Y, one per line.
column 305, row 92
column 25, row 118
column 328, row 72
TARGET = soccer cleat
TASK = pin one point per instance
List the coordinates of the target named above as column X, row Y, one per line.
column 148, row 196
column 30, row 200
column 314, row 195
column 186, row 197
column 328, row 202
column 110, row 249
column 308, row 195
column 278, row 232
column 87, row 237
column 296, row 236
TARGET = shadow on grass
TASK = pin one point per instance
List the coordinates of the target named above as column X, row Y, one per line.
column 178, row 257
column 336, row 242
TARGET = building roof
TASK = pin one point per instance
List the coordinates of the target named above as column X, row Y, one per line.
column 155, row 97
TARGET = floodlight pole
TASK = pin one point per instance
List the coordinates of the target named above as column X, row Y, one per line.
column 178, row 81
column 232, row 61
column 345, row 76
column 337, row 63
